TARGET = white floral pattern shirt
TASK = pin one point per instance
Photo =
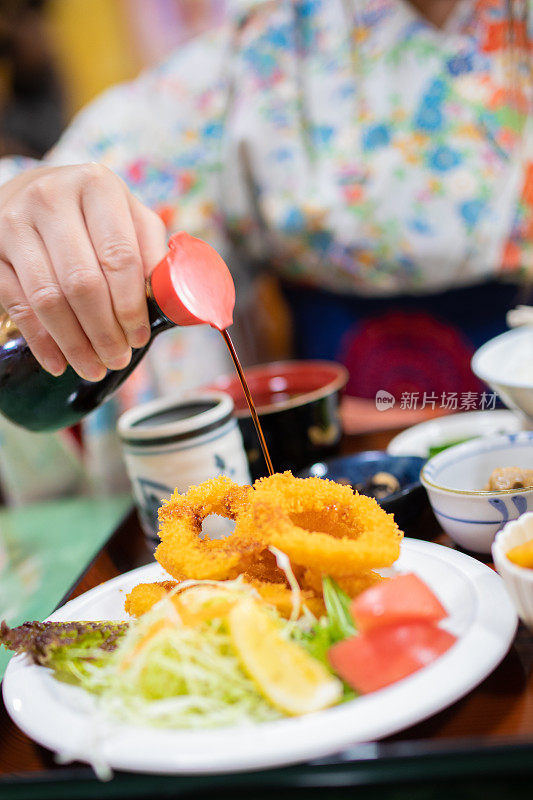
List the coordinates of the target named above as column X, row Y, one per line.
column 349, row 143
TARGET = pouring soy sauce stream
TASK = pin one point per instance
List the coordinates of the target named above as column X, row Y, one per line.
column 191, row 285
column 249, row 400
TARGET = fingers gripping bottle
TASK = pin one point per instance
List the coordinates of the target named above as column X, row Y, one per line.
column 191, row 285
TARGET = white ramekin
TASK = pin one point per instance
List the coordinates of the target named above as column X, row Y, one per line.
column 518, row 580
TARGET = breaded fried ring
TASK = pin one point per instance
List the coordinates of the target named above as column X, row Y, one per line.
column 352, row 585
column 183, row 553
column 323, row 528
column 264, row 567
column 194, row 604
column 338, row 510
column 275, row 594
column 321, row 525
column 145, row 595
column 338, row 557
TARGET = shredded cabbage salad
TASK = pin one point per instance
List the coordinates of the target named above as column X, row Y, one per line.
column 177, row 665
column 169, row 675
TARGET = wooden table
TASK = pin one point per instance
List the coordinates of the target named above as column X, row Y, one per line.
column 481, row 746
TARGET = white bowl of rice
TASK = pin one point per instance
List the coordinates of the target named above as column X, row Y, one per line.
column 505, row 363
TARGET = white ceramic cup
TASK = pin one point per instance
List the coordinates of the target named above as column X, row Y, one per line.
column 175, row 443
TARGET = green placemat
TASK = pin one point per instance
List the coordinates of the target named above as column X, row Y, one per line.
column 44, row 548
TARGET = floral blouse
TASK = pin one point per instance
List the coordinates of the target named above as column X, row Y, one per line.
column 349, row 143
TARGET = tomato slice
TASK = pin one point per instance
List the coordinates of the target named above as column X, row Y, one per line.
column 384, row 655
column 405, row 598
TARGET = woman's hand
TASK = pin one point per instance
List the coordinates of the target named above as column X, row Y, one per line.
column 75, row 249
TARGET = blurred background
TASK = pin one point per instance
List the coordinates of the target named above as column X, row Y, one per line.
column 56, row 55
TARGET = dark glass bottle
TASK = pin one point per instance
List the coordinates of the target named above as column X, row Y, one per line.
column 31, row 397
column 191, row 284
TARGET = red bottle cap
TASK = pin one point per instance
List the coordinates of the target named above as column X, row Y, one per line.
column 192, row 284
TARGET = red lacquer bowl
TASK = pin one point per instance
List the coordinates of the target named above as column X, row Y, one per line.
column 298, row 406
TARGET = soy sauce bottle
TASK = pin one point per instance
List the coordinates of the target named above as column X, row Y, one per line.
column 191, row 285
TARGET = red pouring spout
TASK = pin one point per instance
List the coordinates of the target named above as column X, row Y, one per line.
column 192, row 284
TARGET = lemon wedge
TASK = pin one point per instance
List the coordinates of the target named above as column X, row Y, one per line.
column 291, row 679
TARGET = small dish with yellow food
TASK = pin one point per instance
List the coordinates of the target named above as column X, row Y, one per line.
column 512, row 552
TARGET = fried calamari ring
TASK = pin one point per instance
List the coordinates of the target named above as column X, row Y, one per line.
column 280, row 596
column 338, row 557
column 183, row 553
column 352, row 585
column 321, row 525
column 323, row 528
column 304, row 499
column 145, row 595
column 264, row 567
column 195, row 604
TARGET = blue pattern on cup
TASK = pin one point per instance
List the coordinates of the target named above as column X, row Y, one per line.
column 151, row 493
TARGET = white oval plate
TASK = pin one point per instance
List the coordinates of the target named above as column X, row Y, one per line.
column 416, row 440
column 63, row 717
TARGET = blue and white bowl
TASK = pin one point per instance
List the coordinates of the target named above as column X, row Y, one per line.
column 454, row 481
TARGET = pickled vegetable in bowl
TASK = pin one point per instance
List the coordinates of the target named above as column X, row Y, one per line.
column 504, row 478
column 468, row 510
